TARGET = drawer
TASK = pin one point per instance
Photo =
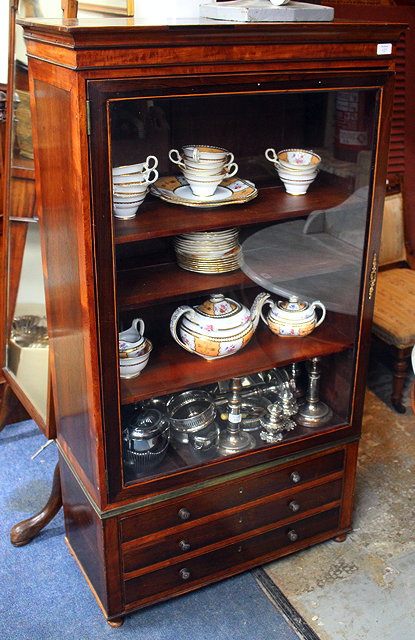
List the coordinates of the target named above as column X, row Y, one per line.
column 243, row 520
column 226, row 495
column 204, row 568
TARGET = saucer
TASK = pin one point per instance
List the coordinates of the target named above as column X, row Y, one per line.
column 176, row 189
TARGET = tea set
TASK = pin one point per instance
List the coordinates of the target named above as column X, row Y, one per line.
column 130, row 185
column 204, row 168
column 219, row 327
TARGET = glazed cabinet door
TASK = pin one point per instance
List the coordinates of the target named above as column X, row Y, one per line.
column 232, row 336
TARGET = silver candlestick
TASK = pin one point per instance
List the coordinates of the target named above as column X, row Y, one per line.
column 313, row 412
column 233, row 439
column 294, row 372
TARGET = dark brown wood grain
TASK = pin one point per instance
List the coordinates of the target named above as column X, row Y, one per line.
column 239, row 524
column 273, row 204
column 100, row 273
column 226, row 560
column 224, row 496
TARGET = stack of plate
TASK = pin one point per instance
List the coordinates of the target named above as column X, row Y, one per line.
column 209, row 251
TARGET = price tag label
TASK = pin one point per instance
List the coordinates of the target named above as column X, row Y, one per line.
column 384, row 49
column 235, row 418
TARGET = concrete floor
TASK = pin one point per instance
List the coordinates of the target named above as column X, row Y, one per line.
column 364, row 588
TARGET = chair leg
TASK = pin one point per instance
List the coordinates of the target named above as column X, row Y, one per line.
column 24, row 531
column 400, row 371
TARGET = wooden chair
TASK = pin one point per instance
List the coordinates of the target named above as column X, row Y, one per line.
column 394, row 315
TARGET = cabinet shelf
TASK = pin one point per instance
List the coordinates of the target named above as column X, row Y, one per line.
column 157, row 219
column 171, row 368
column 166, row 282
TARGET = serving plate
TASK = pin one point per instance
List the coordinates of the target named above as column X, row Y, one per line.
column 176, row 189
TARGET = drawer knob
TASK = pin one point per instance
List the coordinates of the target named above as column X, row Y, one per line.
column 184, row 514
column 292, row 535
column 295, row 477
column 294, row 506
column 184, row 574
column 184, row 545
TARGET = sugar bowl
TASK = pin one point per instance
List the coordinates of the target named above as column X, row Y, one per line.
column 293, row 317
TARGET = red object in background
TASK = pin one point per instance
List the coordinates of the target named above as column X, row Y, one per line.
column 352, row 124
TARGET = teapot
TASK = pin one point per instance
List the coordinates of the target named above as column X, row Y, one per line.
column 218, row 327
column 293, row 317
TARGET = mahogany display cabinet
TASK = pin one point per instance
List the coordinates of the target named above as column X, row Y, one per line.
column 269, row 468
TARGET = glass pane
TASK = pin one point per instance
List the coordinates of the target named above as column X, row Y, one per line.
column 238, row 268
column 27, row 348
column 27, row 353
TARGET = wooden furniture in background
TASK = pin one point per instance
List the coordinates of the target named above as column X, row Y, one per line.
column 19, row 204
column 401, row 158
column 111, row 94
column 394, row 314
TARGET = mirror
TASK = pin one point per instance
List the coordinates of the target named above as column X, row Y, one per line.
column 26, row 349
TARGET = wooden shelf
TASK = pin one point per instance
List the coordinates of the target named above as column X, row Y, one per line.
column 157, row 219
column 163, row 283
column 171, row 368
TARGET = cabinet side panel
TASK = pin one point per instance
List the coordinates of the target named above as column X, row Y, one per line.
column 63, row 234
column 84, row 533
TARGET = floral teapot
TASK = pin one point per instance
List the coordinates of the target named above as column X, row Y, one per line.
column 293, row 318
column 218, row 327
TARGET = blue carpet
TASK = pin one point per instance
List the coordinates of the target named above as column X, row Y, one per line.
column 45, row 597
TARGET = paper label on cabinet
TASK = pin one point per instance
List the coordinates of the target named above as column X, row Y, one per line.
column 234, row 418
column 384, row 49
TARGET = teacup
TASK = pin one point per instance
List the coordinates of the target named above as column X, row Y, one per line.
column 142, row 177
column 297, row 159
column 283, row 172
column 207, row 167
column 296, row 187
column 207, row 153
column 204, row 188
column 128, row 189
column 123, row 198
column 126, row 210
column 202, row 176
column 150, row 162
column 202, row 156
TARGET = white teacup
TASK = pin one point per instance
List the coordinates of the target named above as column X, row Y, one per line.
column 132, row 188
column 207, row 153
column 296, row 187
column 295, row 159
column 283, row 172
column 202, row 156
column 207, row 167
column 202, row 176
column 124, row 198
column 204, row 188
column 126, row 210
column 143, row 177
column 150, row 162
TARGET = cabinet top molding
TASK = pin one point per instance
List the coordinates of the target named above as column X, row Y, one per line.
column 87, row 44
